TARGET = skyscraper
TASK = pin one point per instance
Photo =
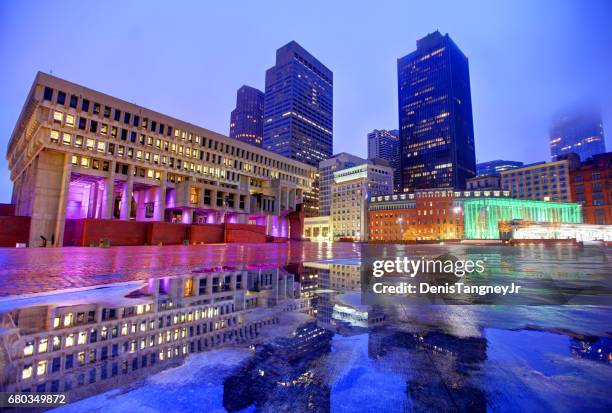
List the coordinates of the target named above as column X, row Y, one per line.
column 435, row 116
column 385, row 144
column 327, row 168
column 246, row 122
column 578, row 130
column 496, row 166
column 298, row 111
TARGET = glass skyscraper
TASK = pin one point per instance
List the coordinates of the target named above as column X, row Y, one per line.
column 246, row 122
column 384, row 144
column 435, row 116
column 496, row 166
column 578, row 130
column 298, row 110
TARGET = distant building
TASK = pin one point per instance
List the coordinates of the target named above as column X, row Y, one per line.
column 350, row 193
column 435, row 116
column 385, row 144
column 497, row 166
column 318, row 228
column 484, row 182
column 298, row 112
column 591, row 186
column 578, row 130
column 547, row 181
column 327, row 168
column 246, row 123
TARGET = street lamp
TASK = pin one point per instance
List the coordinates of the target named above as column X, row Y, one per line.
column 400, row 221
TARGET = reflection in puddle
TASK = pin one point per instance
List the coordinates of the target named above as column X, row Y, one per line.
column 298, row 338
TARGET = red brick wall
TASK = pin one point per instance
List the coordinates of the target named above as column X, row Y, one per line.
column 296, row 223
column 118, row 232
column 244, row 233
column 14, row 230
column 167, row 233
column 206, row 233
column 7, row 210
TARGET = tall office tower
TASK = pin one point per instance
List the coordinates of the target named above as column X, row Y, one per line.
column 435, row 116
column 246, row 122
column 385, row 144
column 327, row 168
column 496, row 166
column 578, row 130
column 298, row 111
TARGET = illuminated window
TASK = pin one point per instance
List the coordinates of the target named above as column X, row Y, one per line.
column 188, row 287
column 82, row 337
column 27, row 371
column 54, row 136
column 69, row 340
column 56, row 320
column 70, row 120
column 101, row 146
column 68, row 319
column 104, row 129
column 41, row 368
column 28, row 350
column 43, row 345
column 67, row 139
column 85, row 162
column 57, row 116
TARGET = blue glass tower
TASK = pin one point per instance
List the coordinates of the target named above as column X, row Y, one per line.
column 246, row 121
column 435, row 116
column 298, row 108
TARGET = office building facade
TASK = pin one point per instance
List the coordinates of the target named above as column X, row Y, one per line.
column 78, row 154
column 352, row 189
column 545, row 181
column 298, row 112
column 246, row 121
column 327, row 168
column 385, row 144
column 591, row 187
column 435, row 116
column 578, row 130
column 496, row 166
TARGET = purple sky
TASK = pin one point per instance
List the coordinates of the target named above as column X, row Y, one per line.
column 528, row 59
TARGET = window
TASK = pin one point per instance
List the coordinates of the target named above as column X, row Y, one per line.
column 70, row 121
column 85, row 105
column 57, row 116
column 117, row 115
column 82, row 123
column 73, row 101
column 48, row 94
column 149, row 209
column 41, row 368
column 61, row 98
column 93, row 126
column 96, row 109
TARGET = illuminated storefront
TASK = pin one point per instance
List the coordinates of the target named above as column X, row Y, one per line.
column 482, row 216
column 579, row 232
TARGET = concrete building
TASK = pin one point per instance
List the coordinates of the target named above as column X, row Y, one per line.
column 496, row 166
column 78, row 154
column 385, row 144
column 327, row 168
column 351, row 191
column 548, row 181
column 88, row 342
column 246, row 121
column 318, row 228
column 591, row 187
column 484, row 182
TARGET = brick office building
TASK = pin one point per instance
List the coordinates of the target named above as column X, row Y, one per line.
column 591, row 186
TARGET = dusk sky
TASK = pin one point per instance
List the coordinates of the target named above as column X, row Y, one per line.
column 528, row 59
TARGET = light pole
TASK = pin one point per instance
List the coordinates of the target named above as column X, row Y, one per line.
column 400, row 221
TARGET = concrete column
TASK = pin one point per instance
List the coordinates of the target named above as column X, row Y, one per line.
column 108, row 200
column 126, row 196
column 63, row 199
column 233, row 282
column 160, row 199
column 186, row 215
column 93, row 201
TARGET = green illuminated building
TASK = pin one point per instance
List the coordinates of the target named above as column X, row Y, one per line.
column 482, row 216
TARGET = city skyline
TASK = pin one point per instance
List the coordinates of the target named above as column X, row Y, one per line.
column 357, row 59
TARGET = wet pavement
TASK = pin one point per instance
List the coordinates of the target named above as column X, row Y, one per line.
column 343, row 356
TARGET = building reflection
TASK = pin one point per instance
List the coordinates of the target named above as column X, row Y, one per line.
column 86, row 342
